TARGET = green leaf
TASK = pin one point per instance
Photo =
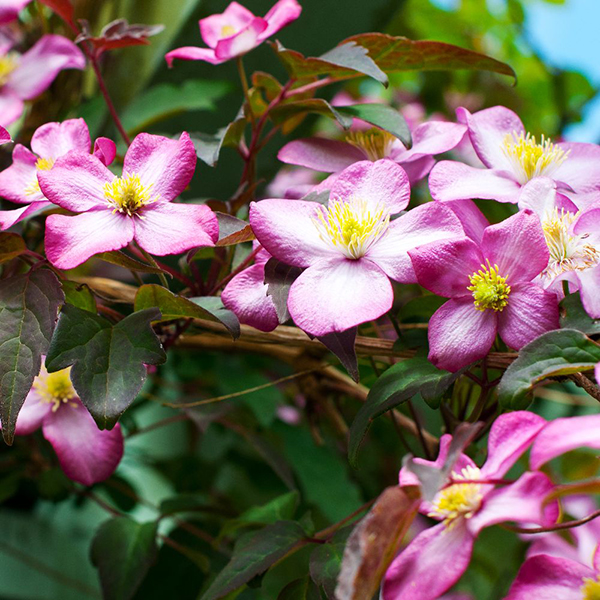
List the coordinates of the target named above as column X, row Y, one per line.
column 123, row 551
column 166, row 100
column 28, row 311
column 208, row 146
column 121, row 259
column 11, row 246
column 573, row 316
column 326, row 561
column 398, row 384
column 385, row 117
column 79, row 295
column 300, row 589
column 109, row 362
column 213, row 305
column 253, row 555
column 355, row 57
column 291, row 109
column 233, row 230
column 556, row 353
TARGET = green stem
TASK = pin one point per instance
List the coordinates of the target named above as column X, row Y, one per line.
column 154, row 264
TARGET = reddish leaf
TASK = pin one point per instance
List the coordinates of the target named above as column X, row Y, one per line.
column 233, row 230
column 63, row 8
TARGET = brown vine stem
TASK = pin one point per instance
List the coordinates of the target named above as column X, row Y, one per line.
column 589, row 386
column 557, row 527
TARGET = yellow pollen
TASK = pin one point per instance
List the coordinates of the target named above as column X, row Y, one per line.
column 591, row 588
column 8, row 63
column 351, row 227
column 227, row 31
column 531, row 159
column 459, row 499
column 128, row 194
column 42, row 164
column 55, row 388
column 375, row 143
column 489, row 289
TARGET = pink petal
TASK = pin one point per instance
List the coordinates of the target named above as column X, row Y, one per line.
column 380, row 183
column 472, row 219
column 510, row 436
column 40, row 65
column 540, row 196
column 459, row 334
column 193, row 53
column 337, row 294
column 86, row 454
column 105, row 150
column 549, row 578
column 281, row 14
column 11, row 107
column 19, row 178
column 488, row 129
column 530, row 312
column 521, row 502
column 246, row 296
column 4, row 136
column 451, row 180
column 435, row 137
column 168, row 228
column 320, row 154
column 579, row 171
column 9, row 9
column 52, row 140
column 589, row 287
column 235, row 15
column 70, row 241
column 32, row 414
column 417, row 169
column 564, row 435
column 168, row 165
column 432, row 563
column 76, row 182
column 8, row 218
column 445, row 267
column 426, row 223
column 241, row 42
column 287, row 230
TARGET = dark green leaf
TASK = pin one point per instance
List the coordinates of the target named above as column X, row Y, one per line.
column 28, row 310
column 326, row 561
column 122, row 260
column 573, row 316
column 279, row 278
column 398, row 384
column 79, row 295
column 342, row 345
column 233, row 230
column 213, row 305
column 355, row 57
column 208, row 146
column 300, row 589
column 11, row 246
column 288, row 110
column 555, row 353
column 109, row 362
column 253, row 555
column 123, row 551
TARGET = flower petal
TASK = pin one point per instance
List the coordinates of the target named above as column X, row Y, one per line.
column 435, row 137
column 246, row 296
column 417, row 169
column 320, row 154
column 86, row 454
column 105, row 150
column 459, row 334
column 70, row 241
column 472, row 219
column 432, row 563
column 168, row 228
column 280, row 14
column 11, row 107
column 9, row 9
column 241, row 42
column 40, row 65
column 235, row 16
column 19, row 181
column 589, row 288
column 579, row 171
column 32, row 414
column 530, row 312
column 540, row 196
column 52, row 140
column 8, row 218
column 193, row 53
column 337, row 294
column 426, row 223
column 165, row 164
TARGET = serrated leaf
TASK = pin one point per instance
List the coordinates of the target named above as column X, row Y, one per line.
column 109, row 362
column 398, row 384
column 123, row 551
column 28, row 311
column 79, row 295
column 253, row 555
column 11, row 246
column 573, row 316
column 121, row 259
column 342, row 345
column 290, row 109
column 279, row 278
column 233, row 230
column 555, row 353
column 326, row 561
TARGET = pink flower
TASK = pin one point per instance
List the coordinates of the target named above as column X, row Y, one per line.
column 4, row 136
column 116, row 210
column 246, row 296
column 437, row 557
column 10, row 9
column 350, row 249
column 19, row 183
column 490, row 289
column 86, row 454
column 513, row 158
column 25, row 76
column 236, row 31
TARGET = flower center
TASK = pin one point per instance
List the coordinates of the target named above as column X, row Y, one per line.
column 489, row 289
column 568, row 252
column 42, row 164
column 128, row 194
column 8, row 63
column 459, row 499
column 227, row 31
column 351, row 227
column 55, row 388
column 375, row 143
column 591, row 588
column 531, row 159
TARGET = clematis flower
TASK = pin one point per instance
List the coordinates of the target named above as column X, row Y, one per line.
column 4, row 136
column 136, row 206
column 490, row 289
column 10, row 9
column 25, row 76
column 471, row 501
column 86, row 454
column 19, row 183
column 236, row 31
column 246, row 295
column 350, row 249
column 513, row 158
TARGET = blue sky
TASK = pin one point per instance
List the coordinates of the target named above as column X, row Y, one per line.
column 567, row 35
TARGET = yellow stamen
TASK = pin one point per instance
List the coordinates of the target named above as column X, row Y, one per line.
column 351, row 227
column 531, row 159
column 489, row 289
column 591, row 588
column 42, row 164
column 55, row 388
column 128, row 194
column 227, row 31
column 8, row 63
column 375, row 143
